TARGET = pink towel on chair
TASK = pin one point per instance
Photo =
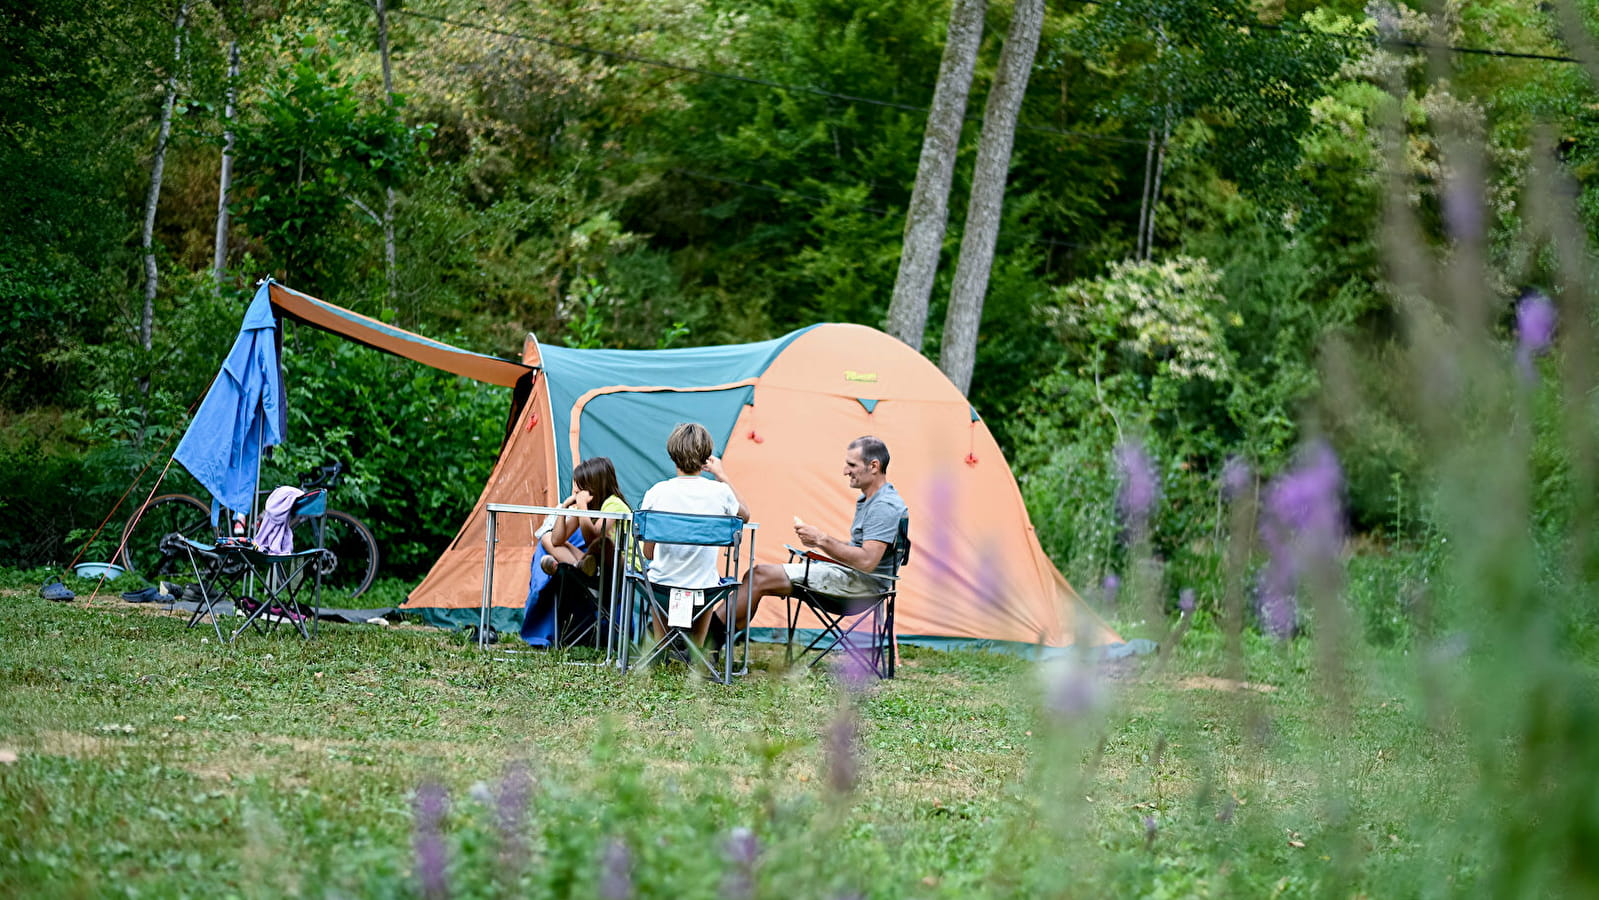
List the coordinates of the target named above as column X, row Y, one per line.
column 273, row 536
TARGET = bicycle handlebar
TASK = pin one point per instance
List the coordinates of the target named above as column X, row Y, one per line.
column 325, row 476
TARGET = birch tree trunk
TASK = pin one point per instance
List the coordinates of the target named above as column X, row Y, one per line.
column 219, row 261
column 928, row 214
column 388, row 198
column 1143, row 197
column 1154, row 192
column 157, row 168
column 959, row 353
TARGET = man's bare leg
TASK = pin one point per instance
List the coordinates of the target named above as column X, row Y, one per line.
column 766, row 580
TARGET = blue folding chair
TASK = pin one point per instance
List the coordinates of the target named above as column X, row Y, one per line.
column 269, row 589
column 676, row 611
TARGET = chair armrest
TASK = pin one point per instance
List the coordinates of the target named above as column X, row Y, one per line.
column 794, row 551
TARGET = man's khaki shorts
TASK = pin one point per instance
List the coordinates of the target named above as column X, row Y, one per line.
column 830, row 578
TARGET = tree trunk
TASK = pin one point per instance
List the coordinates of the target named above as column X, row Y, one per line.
column 928, row 214
column 1143, row 198
column 388, row 199
column 219, row 262
column 157, row 167
column 1154, row 192
column 959, row 353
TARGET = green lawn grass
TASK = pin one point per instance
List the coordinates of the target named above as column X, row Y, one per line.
column 143, row 759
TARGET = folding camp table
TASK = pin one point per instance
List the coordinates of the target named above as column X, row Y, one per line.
column 613, row 639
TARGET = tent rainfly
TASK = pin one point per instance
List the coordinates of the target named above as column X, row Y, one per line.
column 781, row 413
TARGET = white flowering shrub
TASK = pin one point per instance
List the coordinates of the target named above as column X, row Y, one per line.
column 1157, row 317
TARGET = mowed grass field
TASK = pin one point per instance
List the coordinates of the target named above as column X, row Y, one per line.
column 138, row 758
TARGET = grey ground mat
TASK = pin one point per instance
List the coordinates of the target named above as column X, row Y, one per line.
column 351, row 616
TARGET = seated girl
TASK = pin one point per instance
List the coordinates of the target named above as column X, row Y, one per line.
column 576, row 540
column 593, row 482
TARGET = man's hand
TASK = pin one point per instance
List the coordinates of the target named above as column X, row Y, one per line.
column 713, row 465
column 810, row 535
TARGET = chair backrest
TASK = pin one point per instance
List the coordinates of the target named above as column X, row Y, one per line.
column 659, row 527
column 902, row 544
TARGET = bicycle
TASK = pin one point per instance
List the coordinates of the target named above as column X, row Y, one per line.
column 146, row 547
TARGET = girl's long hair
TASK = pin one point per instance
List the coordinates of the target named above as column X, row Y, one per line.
column 597, row 476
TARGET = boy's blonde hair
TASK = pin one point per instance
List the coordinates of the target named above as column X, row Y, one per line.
column 689, row 447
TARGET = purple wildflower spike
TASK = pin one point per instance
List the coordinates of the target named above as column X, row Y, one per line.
column 1111, row 585
column 1535, row 329
column 1185, row 601
column 742, row 851
column 1303, row 530
column 1074, row 693
column 854, row 672
column 843, row 766
column 1139, row 484
column 616, row 871
column 429, row 809
column 511, row 803
column 1462, row 208
column 1236, row 477
column 1150, row 830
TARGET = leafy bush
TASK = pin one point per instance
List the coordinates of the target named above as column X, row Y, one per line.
column 417, row 443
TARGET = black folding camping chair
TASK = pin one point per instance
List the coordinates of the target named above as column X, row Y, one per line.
column 846, row 619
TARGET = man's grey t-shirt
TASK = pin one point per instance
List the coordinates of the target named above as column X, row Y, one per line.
column 877, row 519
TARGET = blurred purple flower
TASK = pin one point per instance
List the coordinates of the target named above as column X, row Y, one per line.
column 1535, row 329
column 1236, row 477
column 1279, row 613
column 1462, row 204
column 1139, row 485
column 1150, row 830
column 843, row 766
column 854, row 670
column 616, row 871
column 742, row 851
column 1303, row 530
column 1073, row 693
column 1225, row 814
column 428, row 810
column 1111, row 585
column 1185, row 600
column 516, row 789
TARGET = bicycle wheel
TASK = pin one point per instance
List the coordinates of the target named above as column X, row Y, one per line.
column 166, row 514
column 352, row 544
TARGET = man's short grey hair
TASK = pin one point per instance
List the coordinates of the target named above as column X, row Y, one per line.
column 871, row 448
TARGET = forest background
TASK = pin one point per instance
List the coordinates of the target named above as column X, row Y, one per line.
column 1189, row 253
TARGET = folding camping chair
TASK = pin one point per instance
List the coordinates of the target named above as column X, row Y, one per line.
column 269, row 589
column 677, row 611
column 217, row 576
column 841, row 616
column 582, row 617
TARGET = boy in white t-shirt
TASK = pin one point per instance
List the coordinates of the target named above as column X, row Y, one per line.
column 684, row 565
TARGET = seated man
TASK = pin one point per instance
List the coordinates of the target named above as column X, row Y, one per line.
column 684, row 565
column 878, row 511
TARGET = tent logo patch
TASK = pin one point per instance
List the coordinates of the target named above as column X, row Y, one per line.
column 852, row 375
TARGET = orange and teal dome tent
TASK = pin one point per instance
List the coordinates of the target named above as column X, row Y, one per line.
column 781, row 413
